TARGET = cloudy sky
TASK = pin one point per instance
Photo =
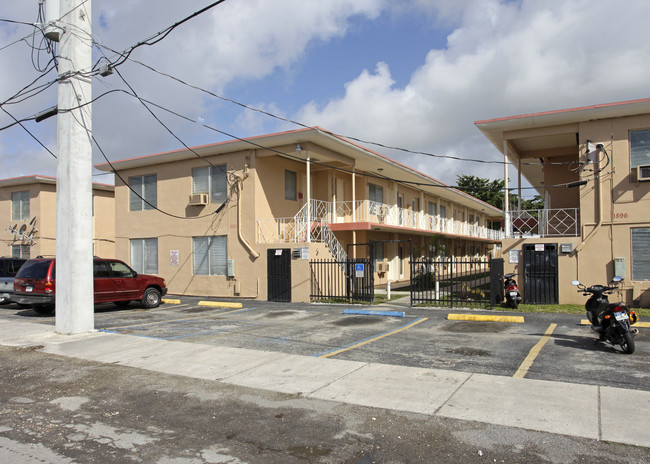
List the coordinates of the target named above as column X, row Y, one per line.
column 413, row 74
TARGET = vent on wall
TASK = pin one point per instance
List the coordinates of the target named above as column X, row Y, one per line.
column 643, row 173
column 199, row 199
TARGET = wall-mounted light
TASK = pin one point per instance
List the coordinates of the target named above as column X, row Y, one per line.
column 298, row 150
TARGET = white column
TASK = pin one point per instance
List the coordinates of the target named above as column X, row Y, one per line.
column 74, row 233
column 354, row 196
column 308, row 197
column 506, row 206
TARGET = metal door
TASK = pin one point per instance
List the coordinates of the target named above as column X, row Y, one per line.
column 540, row 273
column 279, row 274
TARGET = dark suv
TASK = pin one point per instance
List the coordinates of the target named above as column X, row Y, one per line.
column 35, row 284
column 8, row 269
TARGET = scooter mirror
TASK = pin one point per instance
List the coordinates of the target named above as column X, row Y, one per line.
column 575, row 282
column 617, row 279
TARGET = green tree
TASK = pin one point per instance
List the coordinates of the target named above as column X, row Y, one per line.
column 491, row 192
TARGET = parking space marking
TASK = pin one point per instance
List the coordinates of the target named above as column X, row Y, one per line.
column 170, row 301
column 176, row 320
column 485, row 318
column 534, row 351
column 334, row 352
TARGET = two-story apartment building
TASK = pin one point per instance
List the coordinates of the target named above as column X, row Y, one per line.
column 213, row 220
column 592, row 166
column 28, row 212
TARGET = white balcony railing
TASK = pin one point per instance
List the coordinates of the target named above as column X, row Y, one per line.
column 295, row 229
column 563, row 222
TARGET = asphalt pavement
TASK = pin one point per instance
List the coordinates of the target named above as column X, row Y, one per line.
column 609, row 414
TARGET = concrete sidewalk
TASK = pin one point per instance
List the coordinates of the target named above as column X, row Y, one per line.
column 599, row 413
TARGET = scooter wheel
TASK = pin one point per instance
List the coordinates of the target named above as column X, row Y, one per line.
column 627, row 344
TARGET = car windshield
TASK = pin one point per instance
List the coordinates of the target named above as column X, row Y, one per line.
column 34, row 270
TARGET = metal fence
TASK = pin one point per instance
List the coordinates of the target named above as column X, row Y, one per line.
column 442, row 282
column 350, row 280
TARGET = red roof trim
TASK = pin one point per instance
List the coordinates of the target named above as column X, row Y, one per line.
column 568, row 110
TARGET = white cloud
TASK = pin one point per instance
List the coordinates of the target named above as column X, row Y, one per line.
column 503, row 58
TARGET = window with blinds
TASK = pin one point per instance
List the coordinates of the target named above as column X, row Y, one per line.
column 212, row 180
column 144, row 255
column 640, row 253
column 143, row 194
column 290, row 185
column 639, row 148
column 20, row 206
column 210, row 255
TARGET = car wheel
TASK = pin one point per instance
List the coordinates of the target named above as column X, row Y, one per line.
column 43, row 309
column 151, row 298
column 123, row 303
column 4, row 301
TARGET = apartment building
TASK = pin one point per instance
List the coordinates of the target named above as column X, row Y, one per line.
column 28, row 209
column 217, row 219
column 592, row 166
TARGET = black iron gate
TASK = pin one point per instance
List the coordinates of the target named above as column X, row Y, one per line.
column 279, row 274
column 350, row 281
column 540, row 273
column 450, row 283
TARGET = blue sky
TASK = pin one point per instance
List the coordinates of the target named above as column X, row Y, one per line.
column 408, row 73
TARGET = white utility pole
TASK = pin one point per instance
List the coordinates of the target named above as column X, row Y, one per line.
column 74, row 230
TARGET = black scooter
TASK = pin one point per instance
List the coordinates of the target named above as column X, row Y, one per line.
column 612, row 321
column 513, row 297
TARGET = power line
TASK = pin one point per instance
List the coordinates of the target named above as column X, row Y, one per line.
column 306, row 126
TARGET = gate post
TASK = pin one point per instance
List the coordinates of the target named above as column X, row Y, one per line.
column 496, row 281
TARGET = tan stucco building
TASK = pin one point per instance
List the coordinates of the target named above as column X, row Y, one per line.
column 28, row 209
column 212, row 220
column 592, row 166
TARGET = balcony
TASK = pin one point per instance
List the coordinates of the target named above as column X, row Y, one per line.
column 544, row 223
column 363, row 212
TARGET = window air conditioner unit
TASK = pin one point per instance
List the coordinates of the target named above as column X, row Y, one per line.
column 199, row 199
column 643, row 173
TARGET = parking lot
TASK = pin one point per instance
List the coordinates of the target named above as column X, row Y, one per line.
column 541, row 346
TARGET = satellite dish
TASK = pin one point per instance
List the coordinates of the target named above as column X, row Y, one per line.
column 23, row 228
column 33, row 221
column 12, row 229
column 31, row 233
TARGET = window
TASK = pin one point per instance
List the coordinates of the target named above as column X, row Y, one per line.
column 144, row 255
column 641, row 253
column 212, row 180
column 100, row 270
column 376, row 197
column 120, row 270
column 20, row 206
column 290, row 186
column 20, row 251
column 443, row 211
column 210, row 255
column 639, row 147
column 432, row 208
column 143, row 193
column 378, row 253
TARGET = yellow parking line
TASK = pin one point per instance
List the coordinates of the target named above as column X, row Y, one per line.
column 638, row 324
column 170, row 301
column 373, row 339
column 523, row 369
column 220, row 304
column 485, row 318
